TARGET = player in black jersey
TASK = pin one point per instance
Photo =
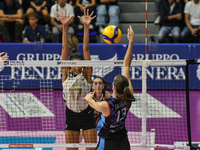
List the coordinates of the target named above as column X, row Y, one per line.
column 100, row 85
column 111, row 126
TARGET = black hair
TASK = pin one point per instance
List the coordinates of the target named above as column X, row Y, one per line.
column 105, row 83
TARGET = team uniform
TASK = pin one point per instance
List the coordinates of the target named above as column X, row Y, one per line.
column 111, row 129
column 79, row 115
column 96, row 113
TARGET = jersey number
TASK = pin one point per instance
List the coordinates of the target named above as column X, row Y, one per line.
column 121, row 114
column 79, row 93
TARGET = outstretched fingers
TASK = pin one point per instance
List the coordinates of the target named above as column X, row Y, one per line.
column 58, row 14
column 91, row 13
column 71, row 17
column 2, row 53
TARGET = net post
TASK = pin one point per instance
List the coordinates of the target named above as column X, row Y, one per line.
column 188, row 62
column 145, row 64
column 152, row 142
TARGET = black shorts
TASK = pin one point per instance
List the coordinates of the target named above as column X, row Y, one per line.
column 120, row 143
column 84, row 120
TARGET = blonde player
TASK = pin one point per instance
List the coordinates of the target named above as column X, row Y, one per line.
column 76, row 83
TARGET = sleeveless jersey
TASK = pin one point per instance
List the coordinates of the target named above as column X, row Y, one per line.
column 113, row 125
column 74, row 89
column 101, row 99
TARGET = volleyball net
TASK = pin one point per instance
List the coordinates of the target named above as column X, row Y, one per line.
column 32, row 109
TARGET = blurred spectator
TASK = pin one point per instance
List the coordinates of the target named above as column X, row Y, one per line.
column 158, row 5
column 57, row 25
column 171, row 15
column 192, row 20
column 25, row 5
column 39, row 6
column 111, row 8
column 11, row 20
column 35, row 32
column 72, row 2
column 79, row 11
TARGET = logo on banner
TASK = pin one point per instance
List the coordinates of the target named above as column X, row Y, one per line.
column 198, row 70
column 6, row 62
column 65, row 63
column 102, row 70
column 14, row 63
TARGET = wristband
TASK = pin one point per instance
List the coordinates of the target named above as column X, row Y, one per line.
column 7, row 15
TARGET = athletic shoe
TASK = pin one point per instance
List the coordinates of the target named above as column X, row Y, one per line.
column 157, row 21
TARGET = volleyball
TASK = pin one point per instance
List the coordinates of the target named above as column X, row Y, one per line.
column 112, row 34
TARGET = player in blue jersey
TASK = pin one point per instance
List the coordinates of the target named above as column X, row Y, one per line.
column 111, row 126
column 76, row 83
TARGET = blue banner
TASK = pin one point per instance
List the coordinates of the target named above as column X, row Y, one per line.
column 163, row 77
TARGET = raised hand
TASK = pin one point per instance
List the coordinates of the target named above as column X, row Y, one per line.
column 89, row 96
column 63, row 18
column 3, row 57
column 130, row 34
column 87, row 17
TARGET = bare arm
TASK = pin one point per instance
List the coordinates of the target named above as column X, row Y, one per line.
column 78, row 3
column 87, row 72
column 65, row 52
column 98, row 106
column 53, row 22
column 11, row 17
column 20, row 2
column 187, row 16
column 176, row 16
column 33, row 4
column 93, row 3
column 128, row 57
column 44, row 4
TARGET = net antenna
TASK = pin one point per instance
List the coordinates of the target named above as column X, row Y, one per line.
column 144, row 83
column 33, row 112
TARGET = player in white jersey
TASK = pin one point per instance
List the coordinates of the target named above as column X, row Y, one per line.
column 76, row 83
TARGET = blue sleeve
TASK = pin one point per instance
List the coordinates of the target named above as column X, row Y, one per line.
column 42, row 32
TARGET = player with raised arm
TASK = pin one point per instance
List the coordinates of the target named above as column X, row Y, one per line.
column 111, row 126
column 76, row 83
column 3, row 57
